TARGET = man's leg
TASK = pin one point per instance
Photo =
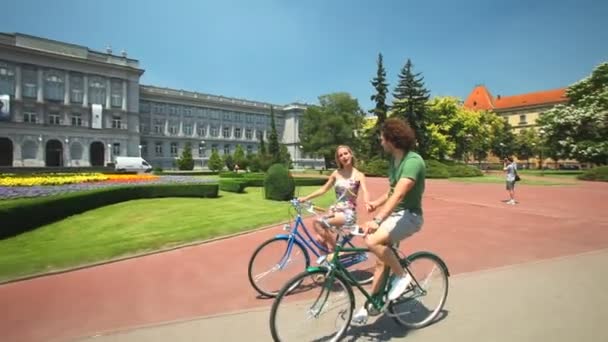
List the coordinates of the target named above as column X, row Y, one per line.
column 378, row 244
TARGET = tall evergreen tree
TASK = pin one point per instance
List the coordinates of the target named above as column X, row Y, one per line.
column 410, row 98
column 262, row 149
column 380, row 111
column 273, row 140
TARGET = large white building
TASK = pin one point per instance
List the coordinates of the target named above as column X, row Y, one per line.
column 67, row 105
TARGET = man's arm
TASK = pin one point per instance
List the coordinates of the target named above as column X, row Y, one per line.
column 404, row 185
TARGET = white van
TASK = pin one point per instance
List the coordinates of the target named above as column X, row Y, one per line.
column 131, row 164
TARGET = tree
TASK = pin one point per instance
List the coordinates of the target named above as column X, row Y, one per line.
column 228, row 161
column 284, row 156
column 410, row 103
column 329, row 124
column 380, row 111
column 262, row 148
column 273, row 140
column 239, row 157
column 526, row 144
column 185, row 162
column 503, row 139
column 215, row 161
column 579, row 129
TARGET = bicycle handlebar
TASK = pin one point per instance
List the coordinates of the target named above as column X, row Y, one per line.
column 309, row 207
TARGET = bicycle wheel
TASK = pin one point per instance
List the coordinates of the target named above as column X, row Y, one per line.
column 313, row 311
column 274, row 262
column 421, row 302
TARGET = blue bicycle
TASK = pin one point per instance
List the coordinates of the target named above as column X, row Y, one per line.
column 280, row 258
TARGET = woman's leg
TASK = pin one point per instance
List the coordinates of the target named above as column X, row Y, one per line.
column 327, row 238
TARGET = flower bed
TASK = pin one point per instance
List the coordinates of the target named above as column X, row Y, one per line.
column 11, row 180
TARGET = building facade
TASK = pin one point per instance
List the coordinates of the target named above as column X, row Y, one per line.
column 521, row 111
column 66, row 105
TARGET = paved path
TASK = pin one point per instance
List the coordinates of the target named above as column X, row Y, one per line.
column 467, row 224
column 561, row 299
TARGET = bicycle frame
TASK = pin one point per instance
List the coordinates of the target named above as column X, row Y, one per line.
column 307, row 241
column 336, row 267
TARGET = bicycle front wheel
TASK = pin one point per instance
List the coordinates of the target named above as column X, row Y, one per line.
column 319, row 308
column 275, row 262
column 426, row 296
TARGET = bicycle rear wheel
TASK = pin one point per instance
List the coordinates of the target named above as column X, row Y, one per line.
column 425, row 297
column 315, row 310
column 273, row 263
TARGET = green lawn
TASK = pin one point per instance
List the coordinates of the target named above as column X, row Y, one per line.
column 551, row 173
column 501, row 179
column 138, row 226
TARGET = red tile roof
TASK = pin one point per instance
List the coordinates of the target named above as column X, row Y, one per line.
column 480, row 98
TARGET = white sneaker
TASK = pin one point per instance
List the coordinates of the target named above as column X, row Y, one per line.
column 360, row 317
column 398, row 286
column 512, row 202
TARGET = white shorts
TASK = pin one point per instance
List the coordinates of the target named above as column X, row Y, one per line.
column 402, row 224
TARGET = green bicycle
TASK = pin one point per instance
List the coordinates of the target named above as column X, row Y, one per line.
column 318, row 304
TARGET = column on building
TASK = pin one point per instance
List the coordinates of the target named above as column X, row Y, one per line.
column 85, row 97
column 66, row 89
column 40, row 94
column 124, row 95
column 108, row 93
column 18, row 82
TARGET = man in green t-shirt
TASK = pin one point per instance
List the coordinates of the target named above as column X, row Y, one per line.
column 399, row 212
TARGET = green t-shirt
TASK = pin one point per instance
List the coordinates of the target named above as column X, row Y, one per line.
column 412, row 166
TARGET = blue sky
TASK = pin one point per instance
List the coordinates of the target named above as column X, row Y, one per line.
column 282, row 51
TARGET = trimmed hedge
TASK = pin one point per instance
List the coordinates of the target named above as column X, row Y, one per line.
column 375, row 167
column 599, row 173
column 278, row 184
column 21, row 215
column 435, row 169
column 302, row 181
column 185, row 173
column 230, row 174
column 233, row 185
column 461, row 170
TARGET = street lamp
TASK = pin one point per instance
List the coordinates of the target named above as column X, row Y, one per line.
column 109, row 153
column 541, row 134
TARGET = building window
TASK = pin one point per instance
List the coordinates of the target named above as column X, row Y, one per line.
column 158, row 149
column 7, row 79
column 248, row 134
column 173, row 149
column 214, row 147
column 54, row 119
column 116, row 122
column 249, row 149
column 237, row 133
column 76, row 119
column 522, row 119
column 116, row 149
column 144, row 148
column 30, row 83
column 143, row 128
column 201, row 130
column 158, row 126
column 173, row 129
column 214, row 131
column 116, row 92
column 202, row 151
column 226, row 149
column 97, row 91
column 144, row 107
column 226, row 132
column 29, row 117
column 53, row 86
column 76, row 89
column 188, row 129
column 259, row 134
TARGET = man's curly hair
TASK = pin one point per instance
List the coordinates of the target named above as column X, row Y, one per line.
column 399, row 133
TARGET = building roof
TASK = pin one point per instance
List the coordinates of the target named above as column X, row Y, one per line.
column 481, row 98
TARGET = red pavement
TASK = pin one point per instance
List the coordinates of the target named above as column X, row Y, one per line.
column 466, row 224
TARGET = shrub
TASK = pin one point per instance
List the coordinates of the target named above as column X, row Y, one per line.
column 303, row 181
column 279, row 184
column 21, row 215
column 461, row 170
column 233, row 185
column 599, row 173
column 435, row 169
column 230, row 174
column 375, row 167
